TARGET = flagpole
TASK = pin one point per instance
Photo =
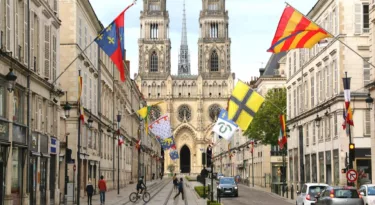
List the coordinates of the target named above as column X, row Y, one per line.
column 337, row 37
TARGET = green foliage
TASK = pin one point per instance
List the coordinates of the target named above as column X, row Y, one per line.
column 213, row 203
column 199, row 190
column 171, row 168
column 266, row 123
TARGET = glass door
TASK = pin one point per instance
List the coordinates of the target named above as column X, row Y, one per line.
column 43, row 180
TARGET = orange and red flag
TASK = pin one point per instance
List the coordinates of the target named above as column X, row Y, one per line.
column 296, row 31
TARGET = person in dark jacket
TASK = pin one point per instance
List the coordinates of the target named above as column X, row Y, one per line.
column 180, row 189
column 90, row 192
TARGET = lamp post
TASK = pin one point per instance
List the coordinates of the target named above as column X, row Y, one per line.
column 369, row 101
column 284, row 163
column 11, row 80
column 118, row 152
column 317, row 120
column 66, row 108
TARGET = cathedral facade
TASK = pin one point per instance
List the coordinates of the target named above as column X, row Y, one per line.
column 192, row 101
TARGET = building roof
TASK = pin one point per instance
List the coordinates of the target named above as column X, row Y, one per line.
column 273, row 63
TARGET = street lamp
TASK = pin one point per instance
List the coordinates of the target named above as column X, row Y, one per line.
column 369, row 101
column 118, row 152
column 317, row 120
column 11, row 80
column 67, row 106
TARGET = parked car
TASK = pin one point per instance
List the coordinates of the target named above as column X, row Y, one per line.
column 307, row 194
column 227, row 186
column 340, row 195
column 367, row 192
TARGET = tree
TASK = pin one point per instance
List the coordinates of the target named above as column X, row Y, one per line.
column 171, row 168
column 266, row 123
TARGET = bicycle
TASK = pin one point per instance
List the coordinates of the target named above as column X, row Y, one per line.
column 133, row 197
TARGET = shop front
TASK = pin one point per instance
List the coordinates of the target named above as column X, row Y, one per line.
column 35, row 154
column 43, row 169
column 363, row 165
column 53, row 167
column 19, row 149
column 276, row 174
column 4, row 154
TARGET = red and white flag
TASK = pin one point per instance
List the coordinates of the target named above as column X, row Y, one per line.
column 349, row 113
column 161, row 127
column 138, row 145
column 120, row 140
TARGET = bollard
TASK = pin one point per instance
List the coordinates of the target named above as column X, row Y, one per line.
column 283, row 190
column 292, row 192
column 286, row 189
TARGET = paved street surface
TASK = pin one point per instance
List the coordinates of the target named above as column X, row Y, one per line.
column 255, row 197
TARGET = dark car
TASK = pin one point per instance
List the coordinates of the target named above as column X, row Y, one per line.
column 227, row 186
column 340, row 195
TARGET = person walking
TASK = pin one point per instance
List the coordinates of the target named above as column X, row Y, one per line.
column 175, row 182
column 180, row 189
column 90, row 192
column 102, row 188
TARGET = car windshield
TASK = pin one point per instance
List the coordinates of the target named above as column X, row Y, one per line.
column 346, row 193
column 314, row 190
column 371, row 190
column 227, row 181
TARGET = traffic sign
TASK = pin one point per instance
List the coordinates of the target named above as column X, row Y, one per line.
column 74, row 167
column 351, row 175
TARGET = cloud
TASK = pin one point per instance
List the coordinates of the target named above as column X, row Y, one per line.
column 252, row 24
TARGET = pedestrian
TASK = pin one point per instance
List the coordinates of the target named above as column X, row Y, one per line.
column 102, row 188
column 180, row 189
column 175, row 182
column 90, row 192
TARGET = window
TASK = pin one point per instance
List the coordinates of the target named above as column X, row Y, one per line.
column 321, row 88
column 307, row 134
column 154, row 7
column 213, row 6
column 295, row 102
column 289, row 105
column 90, row 95
column 154, row 31
column 290, row 66
column 328, row 82
column 16, row 29
column 214, row 61
column 306, row 95
column 46, row 51
column 36, row 44
column 328, row 129
column 54, row 57
column 25, row 32
column 214, row 30
column 18, row 102
column 366, row 71
column 301, row 98
column 85, row 104
column 313, row 132
column 335, row 78
column 324, row 92
column 335, row 130
column 154, row 62
column 334, row 22
column 7, row 25
column 86, row 38
column 367, row 124
column 295, row 61
column 80, row 32
column 2, row 101
column 366, row 18
column 312, row 91
column 184, row 113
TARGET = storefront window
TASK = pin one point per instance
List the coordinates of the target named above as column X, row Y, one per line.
column 328, row 167
column 16, row 175
column 314, row 169
column 364, row 171
column 276, row 173
column 336, row 167
column 296, row 163
column 307, row 167
column 2, row 101
column 321, row 167
column 18, row 103
column 291, row 175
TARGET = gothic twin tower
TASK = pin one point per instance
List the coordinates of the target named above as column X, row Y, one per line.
column 155, row 45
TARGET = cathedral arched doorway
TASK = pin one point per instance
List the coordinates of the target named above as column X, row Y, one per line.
column 185, row 159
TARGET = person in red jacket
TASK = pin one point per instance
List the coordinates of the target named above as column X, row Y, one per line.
column 102, row 188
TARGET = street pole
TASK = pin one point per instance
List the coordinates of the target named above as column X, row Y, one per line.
column 78, row 151
column 118, row 152
column 252, row 166
column 283, row 172
column 348, row 125
column 212, row 181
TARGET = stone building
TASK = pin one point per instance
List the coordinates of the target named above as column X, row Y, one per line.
column 29, row 114
column 192, row 101
column 318, row 144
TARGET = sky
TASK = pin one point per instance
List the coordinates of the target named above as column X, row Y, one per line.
column 252, row 25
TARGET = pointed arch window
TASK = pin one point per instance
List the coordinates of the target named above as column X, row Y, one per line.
column 214, row 61
column 154, row 62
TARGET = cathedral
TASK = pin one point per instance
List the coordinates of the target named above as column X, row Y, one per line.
column 192, row 101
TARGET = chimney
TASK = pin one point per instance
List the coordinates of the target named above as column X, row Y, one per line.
column 261, row 71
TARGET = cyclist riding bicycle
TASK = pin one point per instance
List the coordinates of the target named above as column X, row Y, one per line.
column 140, row 185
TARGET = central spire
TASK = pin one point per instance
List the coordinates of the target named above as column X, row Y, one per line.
column 184, row 57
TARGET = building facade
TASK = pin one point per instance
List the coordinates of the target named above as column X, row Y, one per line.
column 318, row 145
column 30, row 113
column 192, row 101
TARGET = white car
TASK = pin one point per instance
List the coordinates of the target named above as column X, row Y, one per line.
column 367, row 192
column 308, row 192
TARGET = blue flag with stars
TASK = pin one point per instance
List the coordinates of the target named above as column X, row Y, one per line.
column 173, row 154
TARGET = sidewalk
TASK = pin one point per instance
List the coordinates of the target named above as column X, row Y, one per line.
column 112, row 198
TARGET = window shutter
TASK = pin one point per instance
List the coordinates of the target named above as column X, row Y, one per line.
column 7, row 22
column 16, row 33
column 54, row 57
column 367, row 123
column 357, row 18
column 80, row 32
column 32, row 43
column 47, row 51
column 40, row 114
column 37, row 45
column 26, row 33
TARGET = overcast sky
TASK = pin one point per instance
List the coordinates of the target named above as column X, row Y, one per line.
column 252, row 24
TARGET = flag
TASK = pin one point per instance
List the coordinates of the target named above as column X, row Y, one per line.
column 173, row 154
column 167, row 143
column 224, row 127
column 296, row 31
column 111, row 41
column 243, row 105
column 120, row 140
column 144, row 112
column 349, row 114
column 161, row 127
column 81, row 110
column 282, row 137
column 138, row 145
column 344, row 116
